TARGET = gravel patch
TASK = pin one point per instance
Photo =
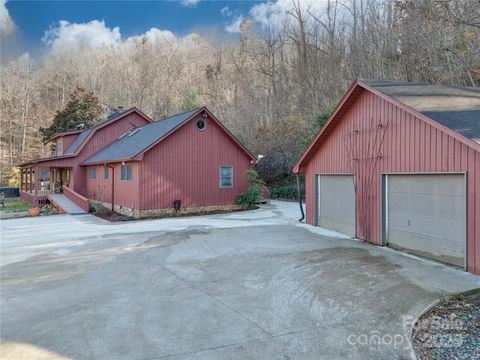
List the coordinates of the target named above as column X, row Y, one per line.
column 450, row 330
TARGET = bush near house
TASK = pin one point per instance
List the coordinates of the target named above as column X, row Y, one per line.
column 254, row 192
column 288, row 192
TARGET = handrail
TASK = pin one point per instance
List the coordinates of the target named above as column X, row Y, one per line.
column 78, row 199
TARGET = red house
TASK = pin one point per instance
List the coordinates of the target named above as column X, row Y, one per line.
column 398, row 164
column 142, row 167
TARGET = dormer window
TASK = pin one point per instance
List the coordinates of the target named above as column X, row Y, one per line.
column 58, row 148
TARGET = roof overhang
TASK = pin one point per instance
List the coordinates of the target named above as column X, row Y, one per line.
column 106, row 162
column 42, row 160
column 66, row 133
column 357, row 87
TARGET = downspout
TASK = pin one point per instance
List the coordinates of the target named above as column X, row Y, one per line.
column 113, row 183
column 300, row 198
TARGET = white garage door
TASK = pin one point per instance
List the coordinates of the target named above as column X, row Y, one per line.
column 336, row 203
column 427, row 215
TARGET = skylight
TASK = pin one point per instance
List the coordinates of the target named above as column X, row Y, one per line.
column 134, row 131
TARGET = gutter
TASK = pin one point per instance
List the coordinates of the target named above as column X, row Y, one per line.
column 113, row 184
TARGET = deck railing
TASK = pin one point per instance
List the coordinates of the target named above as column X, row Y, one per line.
column 38, row 199
column 76, row 198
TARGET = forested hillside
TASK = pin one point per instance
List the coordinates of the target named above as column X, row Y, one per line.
column 271, row 87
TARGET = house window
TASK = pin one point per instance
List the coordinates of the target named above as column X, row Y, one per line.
column 58, row 149
column 92, row 173
column 105, row 173
column 226, row 176
column 126, row 173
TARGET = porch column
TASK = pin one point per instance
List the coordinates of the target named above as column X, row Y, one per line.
column 21, row 179
column 55, row 180
column 31, row 179
column 51, row 180
column 36, row 184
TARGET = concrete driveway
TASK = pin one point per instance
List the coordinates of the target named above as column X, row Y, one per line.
column 249, row 285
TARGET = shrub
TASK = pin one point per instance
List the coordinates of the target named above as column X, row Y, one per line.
column 286, row 192
column 254, row 192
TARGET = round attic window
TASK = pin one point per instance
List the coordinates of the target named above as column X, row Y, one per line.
column 201, row 124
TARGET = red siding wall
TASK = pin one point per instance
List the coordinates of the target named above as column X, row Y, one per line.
column 410, row 145
column 186, row 165
column 100, row 139
column 126, row 192
column 68, row 140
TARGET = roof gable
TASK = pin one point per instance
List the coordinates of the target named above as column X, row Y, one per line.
column 455, row 122
column 131, row 144
column 85, row 135
column 139, row 140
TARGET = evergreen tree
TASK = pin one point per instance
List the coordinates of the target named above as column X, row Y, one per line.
column 82, row 108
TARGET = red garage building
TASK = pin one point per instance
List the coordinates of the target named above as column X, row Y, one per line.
column 398, row 164
column 143, row 167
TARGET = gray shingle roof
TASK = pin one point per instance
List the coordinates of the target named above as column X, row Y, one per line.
column 455, row 107
column 84, row 134
column 78, row 141
column 138, row 139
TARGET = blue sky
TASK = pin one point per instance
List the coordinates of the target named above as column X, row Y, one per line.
column 133, row 17
column 33, row 18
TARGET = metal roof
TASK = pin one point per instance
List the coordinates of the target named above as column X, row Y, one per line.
column 455, row 107
column 138, row 139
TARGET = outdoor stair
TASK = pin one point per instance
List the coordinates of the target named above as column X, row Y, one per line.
column 66, row 205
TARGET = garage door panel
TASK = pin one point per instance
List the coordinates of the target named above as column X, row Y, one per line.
column 423, row 184
column 336, row 203
column 427, row 225
column 423, row 244
column 426, row 215
column 428, row 205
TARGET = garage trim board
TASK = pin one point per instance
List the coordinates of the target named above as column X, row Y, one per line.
column 443, row 231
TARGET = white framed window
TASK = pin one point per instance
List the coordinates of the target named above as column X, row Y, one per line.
column 58, row 148
column 106, row 173
column 226, row 176
column 126, row 173
column 92, row 173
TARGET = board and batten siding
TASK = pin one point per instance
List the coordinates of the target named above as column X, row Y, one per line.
column 186, row 166
column 99, row 140
column 126, row 191
column 411, row 145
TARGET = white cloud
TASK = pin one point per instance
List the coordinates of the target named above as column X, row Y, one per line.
column 93, row 34
column 6, row 22
column 226, row 11
column 189, row 2
column 154, row 36
column 234, row 26
column 277, row 13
